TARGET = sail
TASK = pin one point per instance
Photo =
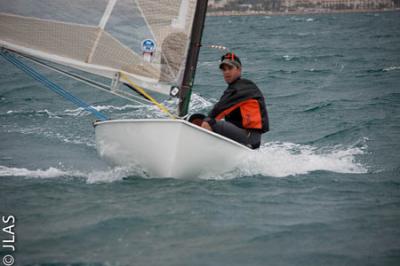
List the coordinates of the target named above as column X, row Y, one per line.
column 147, row 40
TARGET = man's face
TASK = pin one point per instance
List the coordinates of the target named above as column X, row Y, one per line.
column 230, row 73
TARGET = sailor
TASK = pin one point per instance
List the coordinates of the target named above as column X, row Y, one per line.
column 242, row 106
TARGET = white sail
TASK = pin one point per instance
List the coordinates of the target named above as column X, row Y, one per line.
column 147, row 40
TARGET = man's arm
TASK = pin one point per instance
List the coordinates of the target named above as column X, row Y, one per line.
column 224, row 102
column 227, row 100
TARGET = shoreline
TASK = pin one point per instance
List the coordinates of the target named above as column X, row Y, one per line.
column 297, row 12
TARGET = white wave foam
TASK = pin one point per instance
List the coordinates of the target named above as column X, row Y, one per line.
column 208, row 64
column 297, row 19
column 109, row 175
column 70, row 138
column 82, row 112
column 49, row 114
column 275, row 159
column 278, row 159
column 133, row 111
column 199, row 103
column 391, row 68
column 73, row 138
column 288, row 57
column 39, row 113
column 51, row 172
column 114, row 174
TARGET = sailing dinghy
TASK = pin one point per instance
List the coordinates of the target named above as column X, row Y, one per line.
column 142, row 46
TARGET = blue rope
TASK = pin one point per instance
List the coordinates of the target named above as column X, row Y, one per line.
column 51, row 85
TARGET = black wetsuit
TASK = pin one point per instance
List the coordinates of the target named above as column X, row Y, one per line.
column 238, row 92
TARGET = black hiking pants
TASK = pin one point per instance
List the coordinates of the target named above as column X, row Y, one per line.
column 249, row 138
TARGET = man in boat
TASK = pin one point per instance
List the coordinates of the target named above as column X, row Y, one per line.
column 242, row 106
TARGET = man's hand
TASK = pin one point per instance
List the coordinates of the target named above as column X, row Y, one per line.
column 206, row 125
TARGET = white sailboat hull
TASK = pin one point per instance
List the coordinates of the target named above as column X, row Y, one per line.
column 166, row 147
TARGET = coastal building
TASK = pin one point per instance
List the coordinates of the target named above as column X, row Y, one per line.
column 215, row 4
column 337, row 4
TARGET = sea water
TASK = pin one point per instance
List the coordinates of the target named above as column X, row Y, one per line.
column 324, row 188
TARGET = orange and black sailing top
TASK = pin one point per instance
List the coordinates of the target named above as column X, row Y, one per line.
column 242, row 104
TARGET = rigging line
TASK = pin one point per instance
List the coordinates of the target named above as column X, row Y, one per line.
column 49, row 84
column 100, row 86
column 55, row 88
column 135, row 90
column 142, row 91
column 87, row 81
column 90, row 82
column 28, row 71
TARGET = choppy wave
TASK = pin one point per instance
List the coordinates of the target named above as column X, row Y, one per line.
column 208, row 64
column 380, row 36
column 139, row 110
column 288, row 96
column 289, row 58
column 199, row 103
column 70, row 138
column 301, row 19
column 44, row 112
column 81, row 112
column 282, row 159
column 284, row 71
column 78, row 112
column 386, row 69
column 275, row 159
column 310, row 57
column 109, row 175
column 51, row 172
column 318, row 107
column 392, row 68
column 318, row 70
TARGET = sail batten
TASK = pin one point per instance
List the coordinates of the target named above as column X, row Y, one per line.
column 107, row 13
column 146, row 39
